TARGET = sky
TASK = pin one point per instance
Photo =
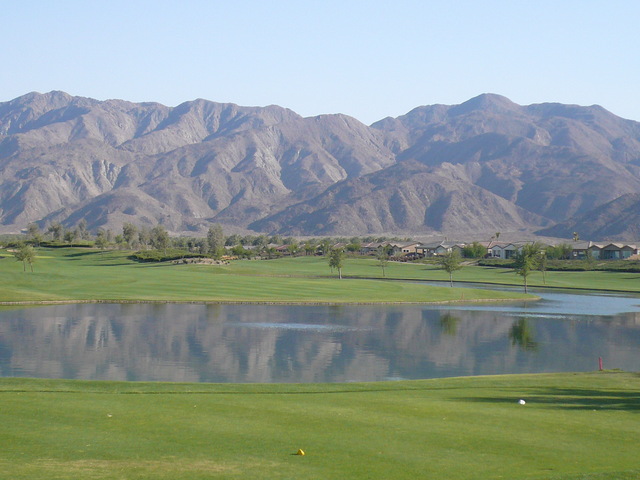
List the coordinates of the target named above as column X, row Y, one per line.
column 368, row 59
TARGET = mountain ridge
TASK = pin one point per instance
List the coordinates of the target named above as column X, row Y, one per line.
column 485, row 165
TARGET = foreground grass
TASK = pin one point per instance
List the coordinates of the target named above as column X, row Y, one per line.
column 573, row 426
column 77, row 274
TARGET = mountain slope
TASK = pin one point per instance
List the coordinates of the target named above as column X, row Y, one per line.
column 201, row 160
column 485, row 165
column 615, row 220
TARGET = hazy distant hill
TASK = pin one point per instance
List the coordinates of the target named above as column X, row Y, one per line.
column 483, row 166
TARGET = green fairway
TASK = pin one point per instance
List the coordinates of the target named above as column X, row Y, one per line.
column 364, row 267
column 573, row 426
column 83, row 275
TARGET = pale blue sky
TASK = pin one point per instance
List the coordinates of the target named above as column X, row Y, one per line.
column 368, row 59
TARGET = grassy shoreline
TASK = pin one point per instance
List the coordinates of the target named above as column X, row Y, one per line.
column 263, row 302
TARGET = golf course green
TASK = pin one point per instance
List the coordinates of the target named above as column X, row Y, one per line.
column 567, row 426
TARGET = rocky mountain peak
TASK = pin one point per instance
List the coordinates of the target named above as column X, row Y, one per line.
column 486, row 103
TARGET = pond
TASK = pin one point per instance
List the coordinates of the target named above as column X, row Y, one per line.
column 260, row 343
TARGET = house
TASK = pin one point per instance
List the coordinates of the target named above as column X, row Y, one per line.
column 459, row 247
column 504, row 250
column 371, row 248
column 497, row 249
column 580, row 249
column 433, row 249
column 610, row 251
column 407, row 248
column 393, row 249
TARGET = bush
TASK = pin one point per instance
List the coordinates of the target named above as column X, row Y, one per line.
column 496, row 262
column 164, row 256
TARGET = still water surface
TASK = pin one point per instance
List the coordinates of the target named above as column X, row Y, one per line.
column 259, row 343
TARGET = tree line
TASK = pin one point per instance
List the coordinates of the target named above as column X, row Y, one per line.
column 215, row 244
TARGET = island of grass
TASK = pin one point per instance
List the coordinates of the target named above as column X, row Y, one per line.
column 568, row 427
column 79, row 275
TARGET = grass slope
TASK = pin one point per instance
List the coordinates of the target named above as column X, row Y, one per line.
column 573, row 426
column 76, row 274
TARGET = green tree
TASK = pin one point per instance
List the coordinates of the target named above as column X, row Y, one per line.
column 101, row 240
column 129, row 233
column 248, row 240
column 57, row 231
column 276, row 239
column 81, row 230
column 542, row 265
column 270, row 252
column 293, row 248
column 450, row 262
column 35, row 235
column 589, row 260
column 559, row 252
column 336, row 260
column 215, row 241
column 309, row 247
column 144, row 237
column 325, row 246
column 383, row 260
column 70, row 236
column 565, row 251
column 160, row 238
column 233, row 240
column 261, row 241
column 241, row 252
column 354, row 247
column 25, row 254
column 526, row 260
column 201, row 246
column 475, row 250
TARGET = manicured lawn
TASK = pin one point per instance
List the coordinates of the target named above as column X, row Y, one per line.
column 77, row 274
column 573, row 426
column 369, row 268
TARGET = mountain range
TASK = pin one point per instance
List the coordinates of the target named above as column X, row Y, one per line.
column 487, row 165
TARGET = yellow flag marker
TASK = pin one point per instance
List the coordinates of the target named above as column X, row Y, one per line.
column 300, row 452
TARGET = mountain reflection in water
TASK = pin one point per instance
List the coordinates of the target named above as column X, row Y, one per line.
column 259, row 343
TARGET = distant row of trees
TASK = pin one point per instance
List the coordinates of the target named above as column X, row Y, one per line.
column 140, row 238
column 215, row 244
column 133, row 236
